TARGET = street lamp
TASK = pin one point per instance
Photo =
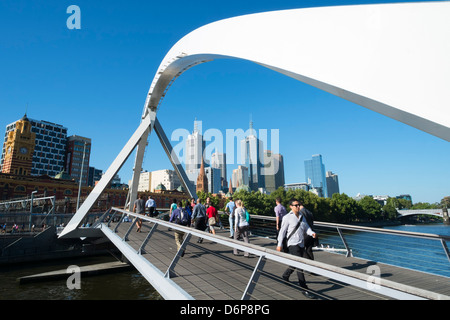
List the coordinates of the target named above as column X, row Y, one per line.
column 31, row 209
column 81, row 175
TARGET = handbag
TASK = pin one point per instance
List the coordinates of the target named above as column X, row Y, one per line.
column 212, row 221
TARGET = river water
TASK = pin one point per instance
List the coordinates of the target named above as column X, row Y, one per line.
column 408, row 252
column 124, row 285
column 426, row 255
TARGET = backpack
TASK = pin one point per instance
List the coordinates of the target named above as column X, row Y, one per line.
column 183, row 218
column 247, row 216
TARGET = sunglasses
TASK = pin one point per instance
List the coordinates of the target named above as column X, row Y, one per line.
column 295, row 205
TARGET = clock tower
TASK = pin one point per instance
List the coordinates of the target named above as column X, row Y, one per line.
column 19, row 148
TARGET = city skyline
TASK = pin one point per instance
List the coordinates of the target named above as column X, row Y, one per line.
column 94, row 82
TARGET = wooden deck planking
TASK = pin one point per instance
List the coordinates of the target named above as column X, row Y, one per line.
column 211, row 271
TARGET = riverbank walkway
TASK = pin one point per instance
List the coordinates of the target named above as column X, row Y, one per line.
column 209, row 270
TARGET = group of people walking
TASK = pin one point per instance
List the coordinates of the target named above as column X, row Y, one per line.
column 295, row 234
column 196, row 214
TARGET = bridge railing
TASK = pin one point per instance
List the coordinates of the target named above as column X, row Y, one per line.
column 357, row 279
column 413, row 250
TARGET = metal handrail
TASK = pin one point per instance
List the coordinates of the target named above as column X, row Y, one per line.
column 340, row 227
column 386, row 287
column 367, row 229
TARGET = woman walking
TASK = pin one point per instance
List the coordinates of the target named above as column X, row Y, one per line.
column 241, row 225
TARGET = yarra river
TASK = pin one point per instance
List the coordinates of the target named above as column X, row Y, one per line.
column 130, row 285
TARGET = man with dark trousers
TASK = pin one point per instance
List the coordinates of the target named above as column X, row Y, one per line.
column 294, row 226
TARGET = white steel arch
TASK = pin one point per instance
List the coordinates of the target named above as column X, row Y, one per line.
column 390, row 58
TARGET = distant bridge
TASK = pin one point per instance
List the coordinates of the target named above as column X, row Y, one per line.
column 430, row 212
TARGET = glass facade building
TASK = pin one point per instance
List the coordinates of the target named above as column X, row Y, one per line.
column 315, row 174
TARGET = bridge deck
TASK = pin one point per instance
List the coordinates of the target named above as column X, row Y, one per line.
column 211, row 271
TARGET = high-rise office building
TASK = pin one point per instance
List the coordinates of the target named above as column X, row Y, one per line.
column 94, row 176
column 219, row 161
column 214, row 179
column 332, row 183
column 315, row 174
column 240, row 177
column 50, row 147
column 273, row 171
column 77, row 159
column 252, row 150
column 194, row 148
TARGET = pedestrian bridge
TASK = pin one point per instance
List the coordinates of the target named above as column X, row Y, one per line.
column 383, row 84
column 431, row 212
column 209, row 270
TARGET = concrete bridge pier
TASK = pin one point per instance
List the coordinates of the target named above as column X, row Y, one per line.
column 445, row 216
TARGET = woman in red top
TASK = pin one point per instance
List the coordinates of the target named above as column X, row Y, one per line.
column 213, row 218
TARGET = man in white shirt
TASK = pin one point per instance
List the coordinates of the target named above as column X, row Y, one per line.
column 230, row 208
column 151, row 205
column 294, row 226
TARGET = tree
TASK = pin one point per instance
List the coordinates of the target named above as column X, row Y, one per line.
column 425, row 205
column 343, row 208
column 215, row 201
column 389, row 211
column 445, row 202
column 370, row 209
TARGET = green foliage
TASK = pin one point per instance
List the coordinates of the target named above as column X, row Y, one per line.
column 340, row 208
column 445, row 202
column 370, row 209
column 214, row 200
column 425, row 205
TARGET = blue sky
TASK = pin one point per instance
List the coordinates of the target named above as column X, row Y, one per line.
column 94, row 81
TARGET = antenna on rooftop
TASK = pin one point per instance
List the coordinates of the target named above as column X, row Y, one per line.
column 195, row 125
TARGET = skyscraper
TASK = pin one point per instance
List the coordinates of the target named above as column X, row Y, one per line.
column 194, row 148
column 219, row 161
column 315, row 174
column 252, row 150
column 332, row 183
column 78, row 155
column 273, row 171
